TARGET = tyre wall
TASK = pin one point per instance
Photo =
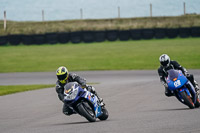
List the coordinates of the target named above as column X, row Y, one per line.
column 3, row 40
column 136, row 34
column 160, row 33
column 88, row 36
column 100, row 36
column 112, row 35
column 124, row 35
column 148, row 33
column 172, row 33
column 76, row 37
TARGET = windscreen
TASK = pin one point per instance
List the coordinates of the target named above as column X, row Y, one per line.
column 71, row 85
column 172, row 74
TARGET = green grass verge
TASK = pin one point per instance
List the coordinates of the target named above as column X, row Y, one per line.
column 10, row 89
column 119, row 55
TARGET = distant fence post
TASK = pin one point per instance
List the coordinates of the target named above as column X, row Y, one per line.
column 150, row 10
column 118, row 12
column 184, row 8
column 81, row 13
column 42, row 15
column 4, row 20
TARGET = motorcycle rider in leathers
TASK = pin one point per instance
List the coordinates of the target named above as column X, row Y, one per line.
column 65, row 77
column 167, row 64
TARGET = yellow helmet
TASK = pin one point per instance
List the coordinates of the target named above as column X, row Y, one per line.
column 62, row 74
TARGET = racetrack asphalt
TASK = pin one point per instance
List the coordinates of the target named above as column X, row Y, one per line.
column 135, row 101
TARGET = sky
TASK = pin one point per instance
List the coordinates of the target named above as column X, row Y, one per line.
column 22, row 10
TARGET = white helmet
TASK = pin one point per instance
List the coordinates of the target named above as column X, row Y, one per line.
column 164, row 60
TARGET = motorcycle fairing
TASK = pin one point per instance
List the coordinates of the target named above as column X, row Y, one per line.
column 94, row 100
column 179, row 82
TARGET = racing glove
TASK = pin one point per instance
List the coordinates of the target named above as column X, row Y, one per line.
column 165, row 85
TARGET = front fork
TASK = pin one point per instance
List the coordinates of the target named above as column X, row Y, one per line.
column 189, row 89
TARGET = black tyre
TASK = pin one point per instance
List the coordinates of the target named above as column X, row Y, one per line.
column 105, row 114
column 187, row 99
column 197, row 104
column 86, row 111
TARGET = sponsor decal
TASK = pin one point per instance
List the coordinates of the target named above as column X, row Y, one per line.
column 89, row 97
column 177, row 83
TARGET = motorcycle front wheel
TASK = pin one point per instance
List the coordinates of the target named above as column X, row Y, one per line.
column 197, row 104
column 187, row 100
column 86, row 111
column 105, row 115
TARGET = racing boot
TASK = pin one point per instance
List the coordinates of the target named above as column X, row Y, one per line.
column 68, row 110
column 168, row 92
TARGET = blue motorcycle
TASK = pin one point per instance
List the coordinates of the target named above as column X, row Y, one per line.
column 84, row 102
column 182, row 88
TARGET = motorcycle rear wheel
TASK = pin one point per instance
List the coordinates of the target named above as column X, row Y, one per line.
column 187, row 99
column 86, row 110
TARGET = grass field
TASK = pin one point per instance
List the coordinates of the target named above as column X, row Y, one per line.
column 118, row 55
column 10, row 89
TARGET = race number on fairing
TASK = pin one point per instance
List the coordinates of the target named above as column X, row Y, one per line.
column 177, row 83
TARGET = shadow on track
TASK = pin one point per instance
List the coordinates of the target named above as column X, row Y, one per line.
column 71, row 123
column 75, row 123
column 179, row 109
column 174, row 109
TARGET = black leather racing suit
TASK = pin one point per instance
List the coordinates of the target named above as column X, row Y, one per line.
column 162, row 72
column 60, row 90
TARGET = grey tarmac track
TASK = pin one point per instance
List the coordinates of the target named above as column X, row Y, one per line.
column 135, row 101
